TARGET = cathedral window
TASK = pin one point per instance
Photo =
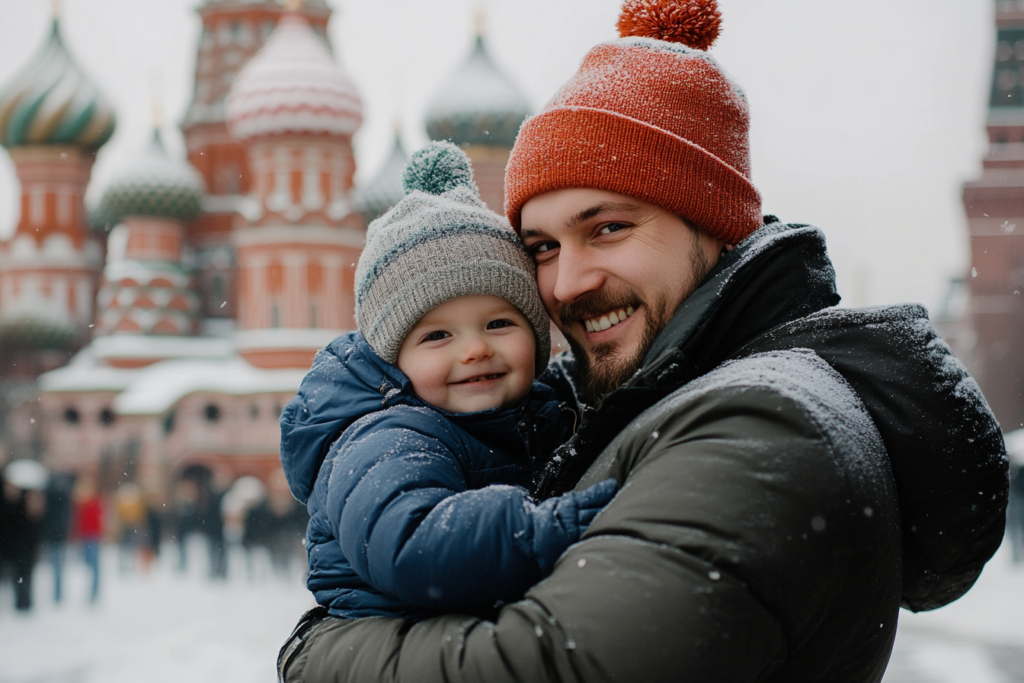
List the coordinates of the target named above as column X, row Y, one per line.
column 37, row 207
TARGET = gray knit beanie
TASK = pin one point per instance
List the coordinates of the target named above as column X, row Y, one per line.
column 440, row 243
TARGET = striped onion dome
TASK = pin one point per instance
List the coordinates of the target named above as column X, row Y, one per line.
column 153, row 185
column 477, row 104
column 292, row 85
column 51, row 102
column 385, row 190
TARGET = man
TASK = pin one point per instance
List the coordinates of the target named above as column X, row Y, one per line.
column 791, row 473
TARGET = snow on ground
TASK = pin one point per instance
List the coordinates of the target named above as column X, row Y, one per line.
column 979, row 638
column 168, row 627
column 162, row 627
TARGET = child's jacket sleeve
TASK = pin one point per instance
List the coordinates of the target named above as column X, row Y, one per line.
column 413, row 526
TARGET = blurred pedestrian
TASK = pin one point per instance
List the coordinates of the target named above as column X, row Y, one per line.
column 212, row 522
column 23, row 520
column 186, row 513
column 56, row 526
column 150, row 549
column 88, row 529
column 131, row 519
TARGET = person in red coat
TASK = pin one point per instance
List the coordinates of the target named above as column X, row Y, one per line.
column 89, row 529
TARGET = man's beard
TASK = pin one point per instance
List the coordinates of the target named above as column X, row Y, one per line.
column 604, row 367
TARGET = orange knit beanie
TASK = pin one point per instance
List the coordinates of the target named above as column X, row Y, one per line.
column 650, row 115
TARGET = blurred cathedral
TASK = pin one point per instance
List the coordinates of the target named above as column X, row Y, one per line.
column 160, row 334
column 984, row 320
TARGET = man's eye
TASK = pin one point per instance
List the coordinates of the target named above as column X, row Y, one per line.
column 437, row 335
column 498, row 324
column 543, row 246
column 610, row 228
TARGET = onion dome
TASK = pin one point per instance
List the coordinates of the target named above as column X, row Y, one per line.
column 477, row 104
column 154, row 185
column 385, row 190
column 51, row 102
column 292, row 86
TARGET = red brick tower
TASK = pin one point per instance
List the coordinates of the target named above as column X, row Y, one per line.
column 52, row 120
column 995, row 213
column 233, row 31
column 295, row 112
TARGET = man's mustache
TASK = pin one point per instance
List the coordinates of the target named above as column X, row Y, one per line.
column 598, row 305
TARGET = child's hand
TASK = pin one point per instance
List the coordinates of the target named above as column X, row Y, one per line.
column 591, row 501
column 560, row 522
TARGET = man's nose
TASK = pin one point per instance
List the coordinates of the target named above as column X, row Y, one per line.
column 577, row 276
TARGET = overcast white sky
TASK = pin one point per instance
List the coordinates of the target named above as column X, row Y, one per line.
column 867, row 116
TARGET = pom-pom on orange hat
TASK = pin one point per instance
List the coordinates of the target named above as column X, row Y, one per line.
column 650, row 115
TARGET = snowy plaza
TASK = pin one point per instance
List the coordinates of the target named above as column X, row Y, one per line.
column 167, row 627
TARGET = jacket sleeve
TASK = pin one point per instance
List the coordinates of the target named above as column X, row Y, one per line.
column 685, row 576
column 411, row 527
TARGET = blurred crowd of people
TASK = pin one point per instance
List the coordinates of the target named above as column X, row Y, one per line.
column 57, row 517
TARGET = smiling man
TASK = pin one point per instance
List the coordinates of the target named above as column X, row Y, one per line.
column 791, row 472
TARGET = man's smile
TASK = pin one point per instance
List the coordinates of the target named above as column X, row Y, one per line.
column 608, row 320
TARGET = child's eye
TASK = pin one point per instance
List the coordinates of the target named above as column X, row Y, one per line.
column 498, row 324
column 436, row 335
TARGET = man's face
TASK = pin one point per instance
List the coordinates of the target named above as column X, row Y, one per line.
column 612, row 270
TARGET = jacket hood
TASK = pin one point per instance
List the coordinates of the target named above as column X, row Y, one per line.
column 776, row 290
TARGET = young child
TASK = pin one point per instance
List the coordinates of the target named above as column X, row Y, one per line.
column 410, row 439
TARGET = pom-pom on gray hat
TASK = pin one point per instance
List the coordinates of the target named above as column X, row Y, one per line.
column 440, row 243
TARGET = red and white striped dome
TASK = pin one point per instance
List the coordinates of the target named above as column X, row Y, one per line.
column 292, row 86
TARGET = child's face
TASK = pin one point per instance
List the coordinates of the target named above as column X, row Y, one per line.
column 469, row 354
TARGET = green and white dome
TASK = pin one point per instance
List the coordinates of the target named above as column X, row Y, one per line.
column 51, row 102
column 477, row 104
column 154, row 185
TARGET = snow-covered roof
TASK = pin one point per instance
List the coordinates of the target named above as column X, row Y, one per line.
column 477, row 104
column 385, row 190
column 293, row 85
column 156, row 388
column 84, row 373
column 160, row 386
column 145, row 347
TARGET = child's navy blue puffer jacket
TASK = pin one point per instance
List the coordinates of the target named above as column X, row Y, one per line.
column 414, row 509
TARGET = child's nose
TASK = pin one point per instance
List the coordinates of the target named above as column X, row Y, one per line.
column 476, row 348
